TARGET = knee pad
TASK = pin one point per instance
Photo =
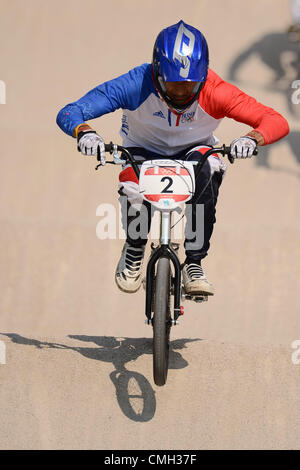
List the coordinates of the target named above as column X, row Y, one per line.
column 128, row 186
column 216, row 163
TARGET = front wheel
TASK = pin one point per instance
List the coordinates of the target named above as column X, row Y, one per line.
column 161, row 321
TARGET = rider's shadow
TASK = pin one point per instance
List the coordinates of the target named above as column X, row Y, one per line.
column 134, row 392
column 280, row 55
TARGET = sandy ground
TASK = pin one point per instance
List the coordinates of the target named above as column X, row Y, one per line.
column 78, row 367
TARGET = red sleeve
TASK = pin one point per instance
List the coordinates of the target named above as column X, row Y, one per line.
column 221, row 99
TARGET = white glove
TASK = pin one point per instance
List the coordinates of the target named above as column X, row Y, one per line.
column 88, row 144
column 243, row 147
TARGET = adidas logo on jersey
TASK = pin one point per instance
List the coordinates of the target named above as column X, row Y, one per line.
column 159, row 114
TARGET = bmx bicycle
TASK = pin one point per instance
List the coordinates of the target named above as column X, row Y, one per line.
column 166, row 184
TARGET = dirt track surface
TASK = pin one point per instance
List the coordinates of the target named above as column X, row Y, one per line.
column 78, row 371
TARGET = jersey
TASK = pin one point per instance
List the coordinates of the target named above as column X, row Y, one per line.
column 148, row 122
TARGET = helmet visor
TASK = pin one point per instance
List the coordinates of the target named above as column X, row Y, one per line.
column 180, row 94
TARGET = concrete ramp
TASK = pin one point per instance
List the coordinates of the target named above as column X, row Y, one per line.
column 89, row 392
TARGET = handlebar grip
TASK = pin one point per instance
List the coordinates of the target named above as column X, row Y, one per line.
column 230, row 158
column 108, row 147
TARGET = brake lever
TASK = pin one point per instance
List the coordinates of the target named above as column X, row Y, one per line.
column 113, row 150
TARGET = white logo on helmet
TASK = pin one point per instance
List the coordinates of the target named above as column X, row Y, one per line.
column 183, row 51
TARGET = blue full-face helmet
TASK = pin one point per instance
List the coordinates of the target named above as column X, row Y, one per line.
column 180, row 54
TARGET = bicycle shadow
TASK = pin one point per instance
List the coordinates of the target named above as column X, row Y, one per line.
column 134, row 393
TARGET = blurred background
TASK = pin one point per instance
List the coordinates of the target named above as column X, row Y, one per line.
column 56, row 276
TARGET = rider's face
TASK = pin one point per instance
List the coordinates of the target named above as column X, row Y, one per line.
column 179, row 92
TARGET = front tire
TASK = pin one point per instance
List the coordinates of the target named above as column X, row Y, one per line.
column 161, row 322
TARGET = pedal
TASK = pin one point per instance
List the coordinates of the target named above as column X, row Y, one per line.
column 194, row 298
column 197, row 298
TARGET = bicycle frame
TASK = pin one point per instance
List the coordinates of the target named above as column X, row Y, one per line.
column 164, row 249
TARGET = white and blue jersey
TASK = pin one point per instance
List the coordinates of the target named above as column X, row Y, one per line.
column 147, row 121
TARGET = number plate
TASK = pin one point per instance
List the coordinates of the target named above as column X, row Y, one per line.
column 167, row 183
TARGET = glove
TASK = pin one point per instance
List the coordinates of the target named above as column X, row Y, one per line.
column 243, row 147
column 90, row 143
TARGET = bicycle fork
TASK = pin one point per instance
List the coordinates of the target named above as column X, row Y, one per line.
column 164, row 250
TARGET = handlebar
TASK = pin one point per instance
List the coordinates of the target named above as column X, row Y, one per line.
column 114, row 149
